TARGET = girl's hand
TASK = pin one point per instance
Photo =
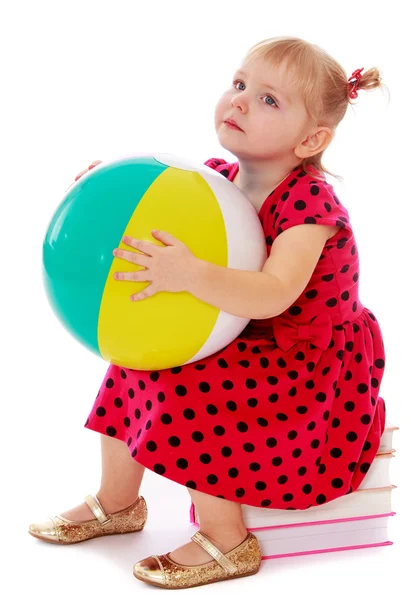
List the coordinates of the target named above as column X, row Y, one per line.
column 169, row 268
column 93, row 164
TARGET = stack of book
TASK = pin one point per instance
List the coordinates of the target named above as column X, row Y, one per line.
column 356, row 520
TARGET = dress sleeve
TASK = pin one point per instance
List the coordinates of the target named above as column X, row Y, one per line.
column 218, row 164
column 313, row 202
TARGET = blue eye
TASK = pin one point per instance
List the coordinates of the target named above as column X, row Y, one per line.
column 237, row 81
column 275, row 102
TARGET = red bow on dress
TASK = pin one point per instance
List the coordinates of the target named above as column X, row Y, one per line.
column 319, row 332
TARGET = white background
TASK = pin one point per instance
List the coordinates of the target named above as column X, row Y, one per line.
column 86, row 80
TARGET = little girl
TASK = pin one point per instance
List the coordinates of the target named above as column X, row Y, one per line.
column 288, row 415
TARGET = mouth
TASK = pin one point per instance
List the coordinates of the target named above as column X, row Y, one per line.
column 232, row 124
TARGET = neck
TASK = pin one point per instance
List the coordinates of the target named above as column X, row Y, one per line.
column 254, row 178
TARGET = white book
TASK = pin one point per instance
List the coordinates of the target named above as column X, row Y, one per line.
column 386, row 438
column 283, row 541
column 361, row 503
column 378, row 475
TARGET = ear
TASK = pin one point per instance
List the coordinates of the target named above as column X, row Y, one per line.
column 315, row 142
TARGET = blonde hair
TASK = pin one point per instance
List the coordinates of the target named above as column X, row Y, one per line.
column 320, row 80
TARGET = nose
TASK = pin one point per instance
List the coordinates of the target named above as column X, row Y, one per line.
column 239, row 101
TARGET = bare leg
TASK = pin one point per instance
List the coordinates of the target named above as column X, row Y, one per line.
column 220, row 520
column 121, row 478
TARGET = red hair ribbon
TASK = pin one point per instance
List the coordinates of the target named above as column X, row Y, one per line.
column 354, row 81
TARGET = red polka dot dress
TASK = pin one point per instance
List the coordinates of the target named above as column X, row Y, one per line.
column 288, row 415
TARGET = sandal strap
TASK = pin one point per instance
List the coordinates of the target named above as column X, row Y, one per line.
column 205, row 543
column 98, row 511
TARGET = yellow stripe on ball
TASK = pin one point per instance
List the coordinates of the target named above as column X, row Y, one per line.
column 147, row 332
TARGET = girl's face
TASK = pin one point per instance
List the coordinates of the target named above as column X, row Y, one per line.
column 267, row 108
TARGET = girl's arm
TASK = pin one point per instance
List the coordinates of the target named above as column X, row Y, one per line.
column 261, row 295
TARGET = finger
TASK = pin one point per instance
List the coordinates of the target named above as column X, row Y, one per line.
column 138, row 259
column 142, row 275
column 81, row 174
column 146, row 247
column 146, row 293
column 93, row 164
column 165, row 237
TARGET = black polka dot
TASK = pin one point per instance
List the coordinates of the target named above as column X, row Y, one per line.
column 233, row 472
column 212, row 479
column 254, row 466
column 227, row 384
column 248, row 447
column 189, row 413
column 244, row 363
column 219, row 430
column 174, row 441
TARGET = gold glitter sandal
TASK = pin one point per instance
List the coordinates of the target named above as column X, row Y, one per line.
column 162, row 571
column 59, row 530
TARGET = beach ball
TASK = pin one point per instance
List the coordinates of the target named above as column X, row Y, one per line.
column 131, row 196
